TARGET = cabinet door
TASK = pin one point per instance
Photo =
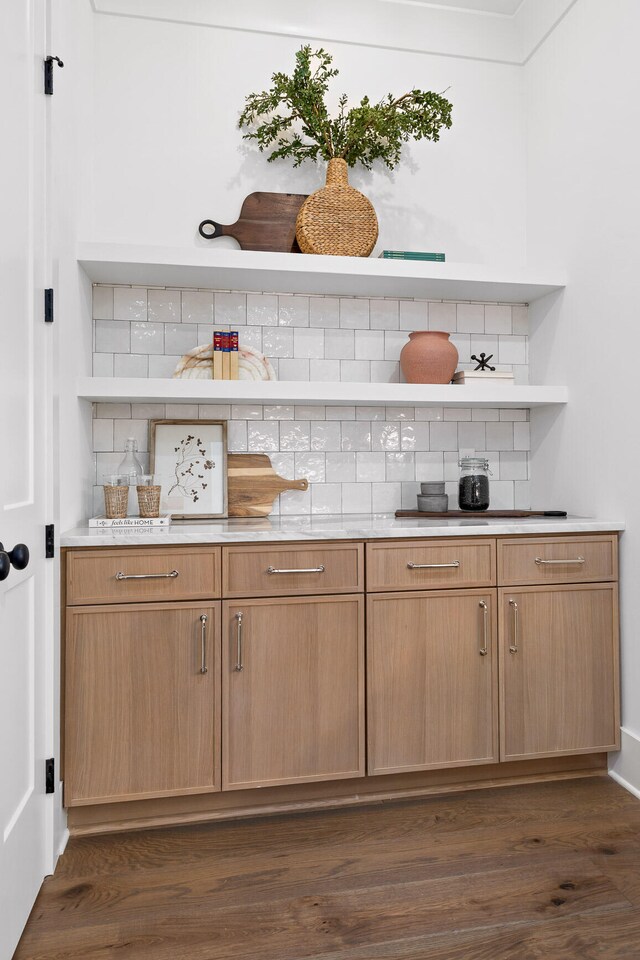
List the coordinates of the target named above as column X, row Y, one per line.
column 141, row 716
column 431, row 680
column 292, row 691
column 558, row 670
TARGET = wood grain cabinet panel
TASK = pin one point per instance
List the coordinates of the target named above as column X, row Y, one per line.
column 146, row 573
column 141, row 718
column 274, row 570
column 292, row 690
column 558, row 670
column 431, row 680
column 431, row 564
column 557, row 560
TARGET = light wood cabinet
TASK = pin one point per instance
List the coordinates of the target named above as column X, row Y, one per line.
column 476, row 654
column 431, row 564
column 557, row 560
column 274, row 570
column 292, row 690
column 137, row 574
column 142, row 701
column 431, row 680
column 558, row 670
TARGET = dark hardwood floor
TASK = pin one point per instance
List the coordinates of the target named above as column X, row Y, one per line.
column 522, row 873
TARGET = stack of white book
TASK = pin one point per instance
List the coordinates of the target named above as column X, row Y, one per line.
column 162, row 521
column 483, row 376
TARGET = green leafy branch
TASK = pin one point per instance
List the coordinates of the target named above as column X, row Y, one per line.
column 292, row 117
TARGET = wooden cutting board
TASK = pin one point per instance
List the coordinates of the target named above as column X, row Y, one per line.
column 267, row 221
column 253, row 485
column 468, row 514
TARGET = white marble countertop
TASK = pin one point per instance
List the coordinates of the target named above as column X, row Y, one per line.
column 338, row 527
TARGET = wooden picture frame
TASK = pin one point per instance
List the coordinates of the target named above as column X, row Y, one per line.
column 189, row 460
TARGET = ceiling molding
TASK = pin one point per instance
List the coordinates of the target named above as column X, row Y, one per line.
column 460, row 32
column 487, row 8
column 537, row 19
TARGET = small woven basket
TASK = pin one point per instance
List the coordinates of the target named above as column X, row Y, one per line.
column 115, row 501
column 337, row 220
column 149, row 500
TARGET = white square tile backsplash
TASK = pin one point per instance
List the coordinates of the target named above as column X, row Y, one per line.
column 357, row 459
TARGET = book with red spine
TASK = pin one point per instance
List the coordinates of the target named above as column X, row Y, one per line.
column 234, row 367
column 217, row 355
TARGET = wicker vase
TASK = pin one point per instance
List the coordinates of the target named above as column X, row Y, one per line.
column 337, row 220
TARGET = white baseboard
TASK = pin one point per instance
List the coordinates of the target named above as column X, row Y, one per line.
column 624, row 767
column 64, row 839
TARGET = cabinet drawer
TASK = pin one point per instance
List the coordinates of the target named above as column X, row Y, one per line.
column 417, row 564
column 147, row 573
column 557, row 560
column 273, row 571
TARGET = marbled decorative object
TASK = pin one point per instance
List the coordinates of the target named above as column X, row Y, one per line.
column 429, row 357
column 197, row 364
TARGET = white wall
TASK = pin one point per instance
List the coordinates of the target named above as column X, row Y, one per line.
column 71, row 109
column 583, row 212
column 167, row 153
column 164, row 152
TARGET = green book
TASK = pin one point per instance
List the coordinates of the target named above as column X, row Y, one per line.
column 411, row 255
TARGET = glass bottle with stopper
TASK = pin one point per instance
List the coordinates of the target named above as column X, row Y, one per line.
column 131, row 469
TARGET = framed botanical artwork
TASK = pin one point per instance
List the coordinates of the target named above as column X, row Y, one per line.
column 189, row 461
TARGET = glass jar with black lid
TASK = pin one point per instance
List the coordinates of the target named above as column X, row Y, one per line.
column 473, row 486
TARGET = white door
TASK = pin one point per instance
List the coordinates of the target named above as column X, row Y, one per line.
column 25, row 810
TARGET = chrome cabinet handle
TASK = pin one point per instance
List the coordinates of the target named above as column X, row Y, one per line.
column 203, row 643
column 147, row 576
column 239, row 664
column 319, row 569
column 484, row 649
column 431, row 566
column 514, row 646
column 540, row 561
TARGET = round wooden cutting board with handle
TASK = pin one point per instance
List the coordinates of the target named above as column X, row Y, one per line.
column 253, row 485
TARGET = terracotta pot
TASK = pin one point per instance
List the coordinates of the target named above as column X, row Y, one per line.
column 429, row 357
column 337, row 220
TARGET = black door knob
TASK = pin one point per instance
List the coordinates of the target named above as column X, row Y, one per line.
column 18, row 557
column 5, row 565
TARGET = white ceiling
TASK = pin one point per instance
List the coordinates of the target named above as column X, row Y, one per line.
column 504, row 7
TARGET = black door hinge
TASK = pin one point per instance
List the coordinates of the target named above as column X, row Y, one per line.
column 48, row 305
column 50, row 775
column 48, row 73
column 49, row 541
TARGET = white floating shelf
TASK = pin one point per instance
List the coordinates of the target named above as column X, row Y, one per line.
column 216, row 268
column 125, row 390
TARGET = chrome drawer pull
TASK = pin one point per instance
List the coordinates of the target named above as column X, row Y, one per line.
column 146, row 576
column 484, row 649
column 203, row 643
column 431, row 566
column 239, row 664
column 514, row 646
column 539, row 561
column 319, row 569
